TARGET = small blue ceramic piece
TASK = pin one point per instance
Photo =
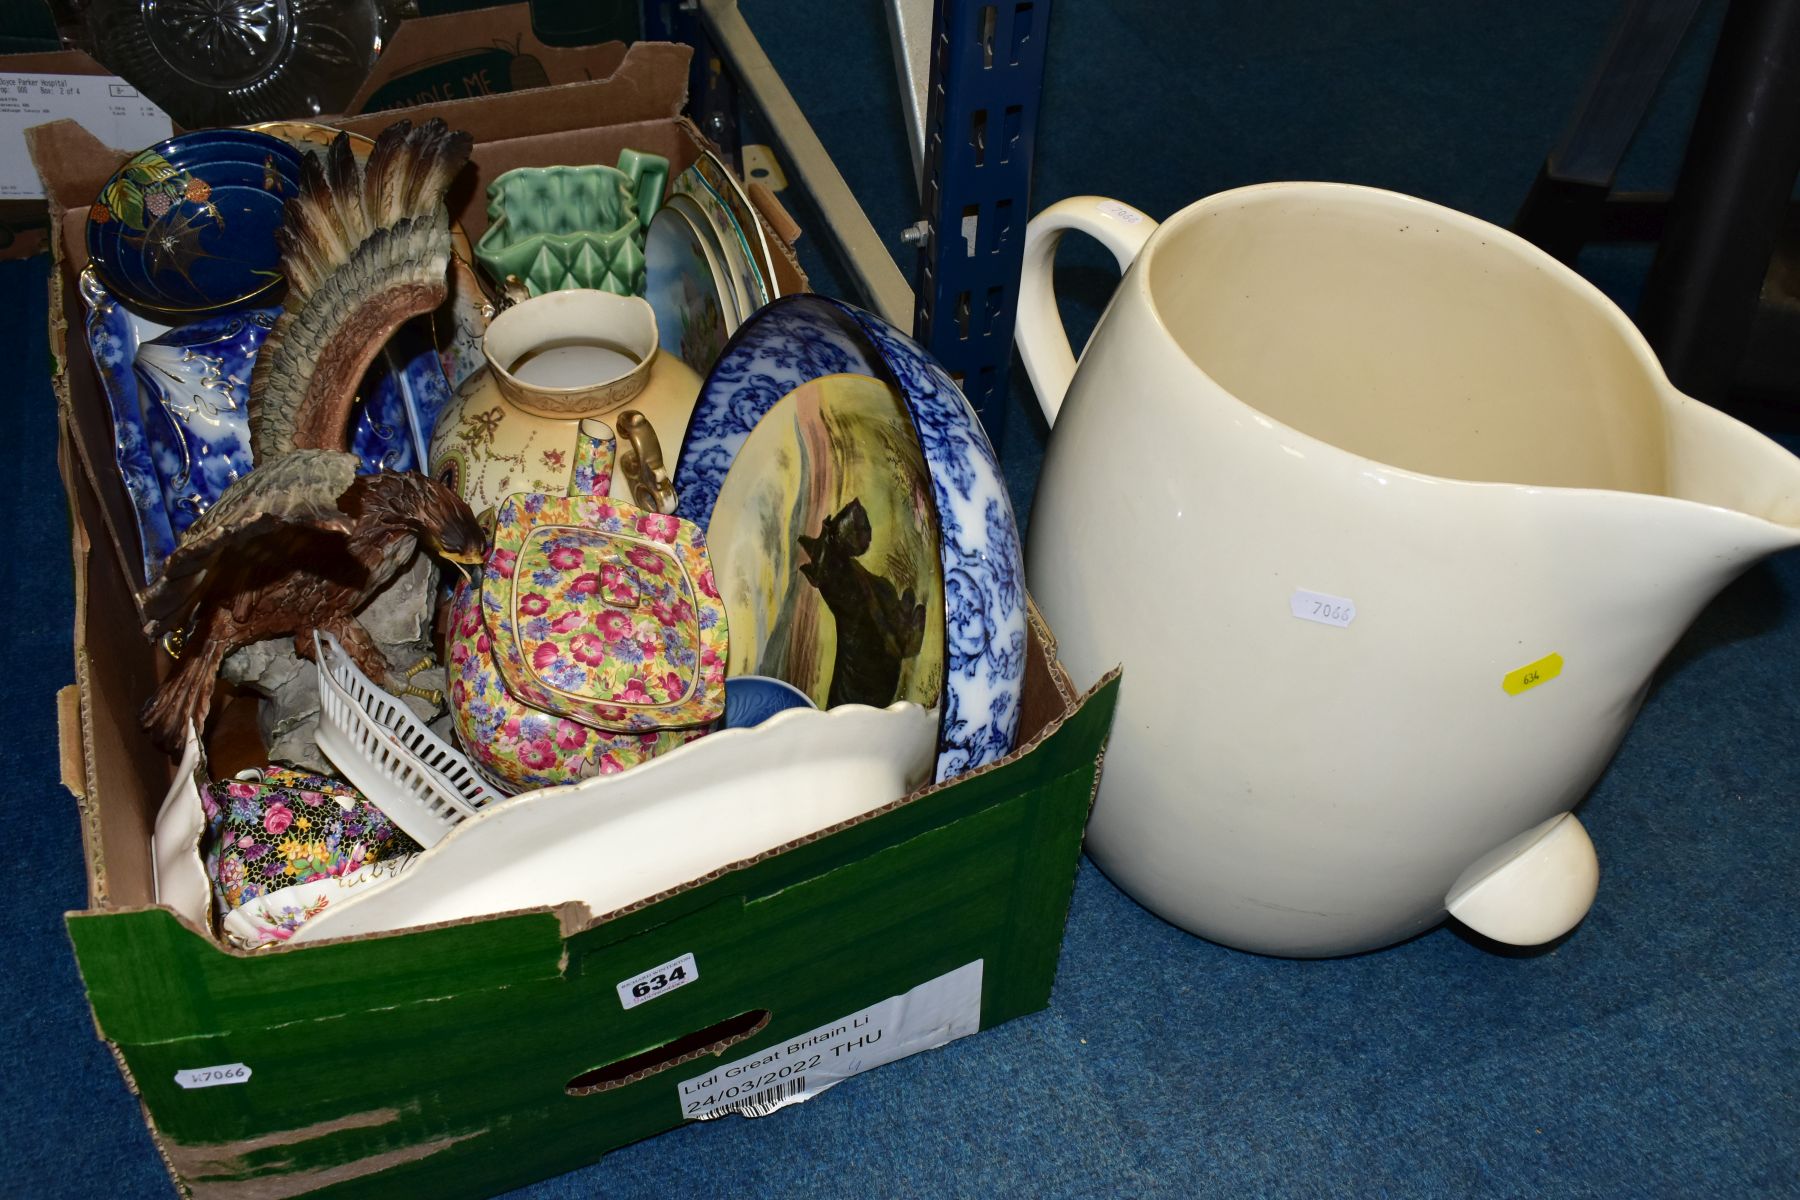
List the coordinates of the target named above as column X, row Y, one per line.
column 799, row 338
column 753, row 699
column 187, row 227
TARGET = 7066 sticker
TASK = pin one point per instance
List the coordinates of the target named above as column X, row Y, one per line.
column 1326, row 610
column 219, row 1076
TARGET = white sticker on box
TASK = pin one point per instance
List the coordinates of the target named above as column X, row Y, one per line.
column 220, row 1076
column 105, row 105
column 659, row 980
column 937, row 1011
column 1326, row 610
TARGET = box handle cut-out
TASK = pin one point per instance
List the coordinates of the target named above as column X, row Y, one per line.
column 715, row 1039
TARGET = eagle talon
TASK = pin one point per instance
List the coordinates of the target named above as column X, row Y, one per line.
column 431, row 696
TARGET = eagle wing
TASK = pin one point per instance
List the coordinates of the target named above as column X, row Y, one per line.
column 364, row 249
column 297, row 491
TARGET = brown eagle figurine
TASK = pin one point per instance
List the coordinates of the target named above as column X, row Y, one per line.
column 297, row 545
column 302, row 542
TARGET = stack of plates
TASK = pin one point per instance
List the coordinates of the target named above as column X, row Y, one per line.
column 707, row 264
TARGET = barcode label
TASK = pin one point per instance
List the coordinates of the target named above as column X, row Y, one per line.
column 803, row 1066
column 764, row 1102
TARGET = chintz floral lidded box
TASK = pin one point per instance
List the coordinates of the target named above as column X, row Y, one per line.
column 597, row 639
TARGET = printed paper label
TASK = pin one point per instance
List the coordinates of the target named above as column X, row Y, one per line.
column 938, row 1011
column 203, row 1077
column 1326, row 610
column 659, row 980
column 105, row 105
column 1531, row 674
column 1120, row 212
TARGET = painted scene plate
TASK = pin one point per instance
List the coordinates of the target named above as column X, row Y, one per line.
column 824, row 545
column 799, row 338
column 694, row 313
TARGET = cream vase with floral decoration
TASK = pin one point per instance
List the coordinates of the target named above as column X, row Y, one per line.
column 551, row 361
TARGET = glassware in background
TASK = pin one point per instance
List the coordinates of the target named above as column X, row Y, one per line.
column 228, row 62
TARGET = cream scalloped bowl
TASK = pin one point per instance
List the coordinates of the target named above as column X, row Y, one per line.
column 617, row 839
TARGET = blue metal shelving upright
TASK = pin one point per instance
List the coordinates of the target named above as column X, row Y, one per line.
column 987, row 71
column 986, row 76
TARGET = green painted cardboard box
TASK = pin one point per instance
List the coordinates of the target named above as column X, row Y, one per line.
column 508, row 1050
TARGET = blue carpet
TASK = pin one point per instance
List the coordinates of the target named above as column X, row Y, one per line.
column 1654, row 1052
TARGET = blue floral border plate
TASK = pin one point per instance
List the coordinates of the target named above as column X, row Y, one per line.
column 799, row 338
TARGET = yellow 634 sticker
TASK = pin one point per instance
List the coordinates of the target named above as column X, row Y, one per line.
column 1531, row 674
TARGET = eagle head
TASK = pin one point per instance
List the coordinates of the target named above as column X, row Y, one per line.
column 407, row 502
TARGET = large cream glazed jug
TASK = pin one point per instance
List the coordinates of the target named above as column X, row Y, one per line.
column 1389, row 517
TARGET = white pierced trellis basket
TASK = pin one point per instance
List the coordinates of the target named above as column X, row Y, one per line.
column 424, row 785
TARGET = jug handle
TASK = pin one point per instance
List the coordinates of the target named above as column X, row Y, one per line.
column 1042, row 341
column 649, row 175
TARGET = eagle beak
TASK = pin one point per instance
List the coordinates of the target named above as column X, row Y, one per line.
column 461, row 559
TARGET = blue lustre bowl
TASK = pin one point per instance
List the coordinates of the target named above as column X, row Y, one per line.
column 753, row 699
column 799, row 338
column 187, row 227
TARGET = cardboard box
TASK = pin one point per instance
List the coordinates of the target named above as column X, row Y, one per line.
column 467, row 1058
column 430, row 60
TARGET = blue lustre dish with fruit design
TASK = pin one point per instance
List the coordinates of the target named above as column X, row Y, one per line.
column 187, row 227
column 800, row 338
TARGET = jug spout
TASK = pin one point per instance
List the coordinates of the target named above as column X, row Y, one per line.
column 1718, row 461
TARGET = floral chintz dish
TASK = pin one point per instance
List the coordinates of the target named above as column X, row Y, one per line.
column 281, row 845
column 596, row 640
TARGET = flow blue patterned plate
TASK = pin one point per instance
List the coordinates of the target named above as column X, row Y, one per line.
column 800, row 338
column 113, row 339
column 180, row 403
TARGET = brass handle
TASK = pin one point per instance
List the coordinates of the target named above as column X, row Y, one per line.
column 512, row 291
column 641, row 462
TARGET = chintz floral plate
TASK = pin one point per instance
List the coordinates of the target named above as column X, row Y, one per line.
column 799, row 338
